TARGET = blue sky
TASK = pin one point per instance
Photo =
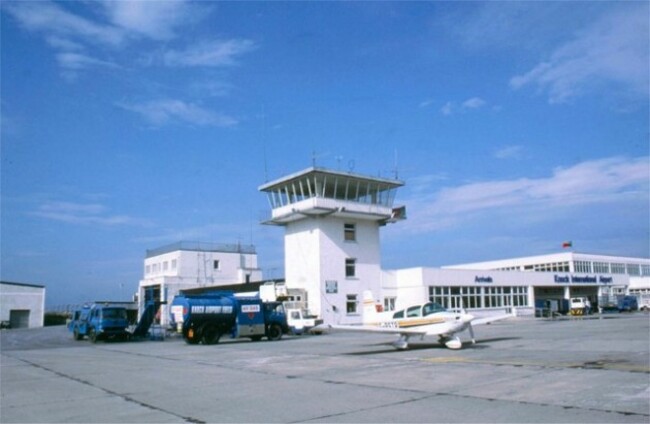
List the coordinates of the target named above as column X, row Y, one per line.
column 130, row 125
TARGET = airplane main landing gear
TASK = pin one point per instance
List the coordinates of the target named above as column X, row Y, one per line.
column 402, row 343
column 451, row 342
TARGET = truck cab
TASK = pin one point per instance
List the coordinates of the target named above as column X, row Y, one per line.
column 99, row 322
column 627, row 304
column 299, row 322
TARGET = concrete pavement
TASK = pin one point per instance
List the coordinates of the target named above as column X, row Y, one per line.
column 521, row 370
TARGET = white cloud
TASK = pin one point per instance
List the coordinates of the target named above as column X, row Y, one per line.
column 509, row 152
column 426, row 103
column 472, row 103
column 613, row 49
column 210, row 53
column 72, row 35
column 153, row 19
column 52, row 19
column 447, row 109
column 162, row 112
column 83, row 214
column 606, row 182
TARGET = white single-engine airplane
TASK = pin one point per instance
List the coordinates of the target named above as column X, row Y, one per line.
column 429, row 319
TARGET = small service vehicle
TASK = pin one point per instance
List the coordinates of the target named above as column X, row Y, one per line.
column 580, row 306
column 299, row 322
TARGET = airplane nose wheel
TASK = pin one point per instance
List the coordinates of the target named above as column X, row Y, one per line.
column 451, row 342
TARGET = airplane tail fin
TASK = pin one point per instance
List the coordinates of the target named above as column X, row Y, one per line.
column 370, row 314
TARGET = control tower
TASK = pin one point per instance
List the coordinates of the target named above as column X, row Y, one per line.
column 331, row 240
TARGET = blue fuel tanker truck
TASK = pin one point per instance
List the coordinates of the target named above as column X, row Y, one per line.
column 206, row 317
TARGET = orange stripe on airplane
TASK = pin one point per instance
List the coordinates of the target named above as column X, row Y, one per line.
column 419, row 322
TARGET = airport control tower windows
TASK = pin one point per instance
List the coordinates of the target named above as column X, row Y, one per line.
column 332, row 185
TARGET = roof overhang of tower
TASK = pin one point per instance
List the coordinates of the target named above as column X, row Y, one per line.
column 324, row 172
column 319, row 192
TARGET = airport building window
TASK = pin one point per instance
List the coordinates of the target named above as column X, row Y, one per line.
column 479, row 297
column 493, row 297
column 601, row 267
column 645, row 270
column 174, row 264
column 633, row 269
column 582, row 266
column 350, row 267
column 520, row 296
column 389, row 304
column 351, row 304
column 216, row 264
column 471, row 297
column 618, row 268
column 350, row 232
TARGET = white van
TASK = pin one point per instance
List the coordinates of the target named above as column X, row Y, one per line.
column 580, row 306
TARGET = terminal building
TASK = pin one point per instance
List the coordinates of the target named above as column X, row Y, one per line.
column 513, row 285
column 331, row 222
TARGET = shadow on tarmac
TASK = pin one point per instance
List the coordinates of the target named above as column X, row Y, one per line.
column 480, row 344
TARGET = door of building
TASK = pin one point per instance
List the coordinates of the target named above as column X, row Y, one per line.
column 19, row 318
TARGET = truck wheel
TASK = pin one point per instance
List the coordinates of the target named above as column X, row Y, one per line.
column 275, row 332
column 77, row 336
column 92, row 336
column 211, row 335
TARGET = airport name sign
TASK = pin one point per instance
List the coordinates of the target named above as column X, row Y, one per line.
column 588, row 279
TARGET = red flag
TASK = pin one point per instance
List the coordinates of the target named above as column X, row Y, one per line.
column 567, row 244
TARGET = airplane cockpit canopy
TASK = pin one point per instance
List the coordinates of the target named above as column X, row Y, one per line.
column 419, row 310
column 432, row 308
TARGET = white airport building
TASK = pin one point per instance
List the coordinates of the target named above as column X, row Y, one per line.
column 513, row 285
column 22, row 305
column 186, row 265
column 331, row 223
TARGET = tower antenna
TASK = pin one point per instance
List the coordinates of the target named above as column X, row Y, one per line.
column 395, row 168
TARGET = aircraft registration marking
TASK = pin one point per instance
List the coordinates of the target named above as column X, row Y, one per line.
column 411, row 323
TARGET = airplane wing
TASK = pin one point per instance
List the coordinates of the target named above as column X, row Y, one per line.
column 373, row 329
column 487, row 320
